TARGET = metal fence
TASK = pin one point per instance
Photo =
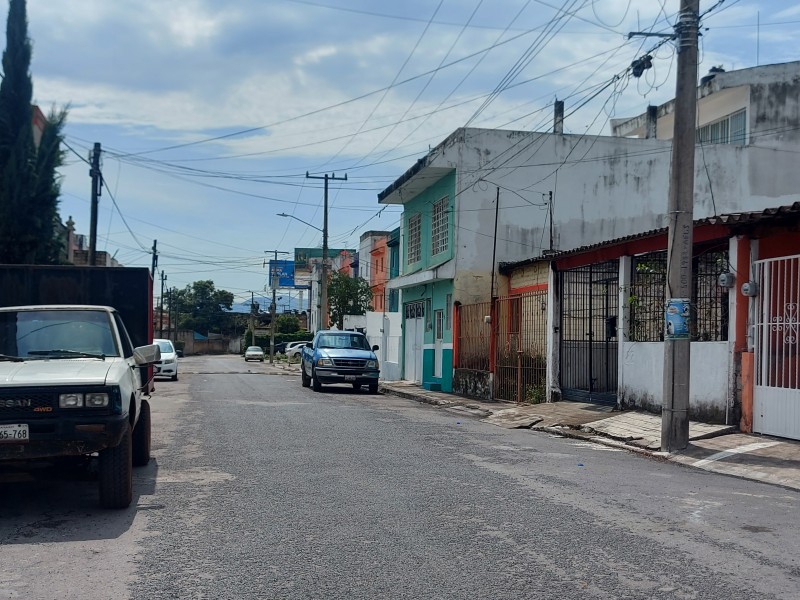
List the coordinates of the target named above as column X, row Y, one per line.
column 648, row 292
column 474, row 335
column 521, row 349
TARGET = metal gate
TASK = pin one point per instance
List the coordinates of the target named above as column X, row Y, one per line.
column 588, row 332
column 776, row 397
column 521, row 348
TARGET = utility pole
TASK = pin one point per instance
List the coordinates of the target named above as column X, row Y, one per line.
column 324, row 318
column 155, row 261
column 677, row 310
column 161, row 306
column 97, row 185
column 252, row 319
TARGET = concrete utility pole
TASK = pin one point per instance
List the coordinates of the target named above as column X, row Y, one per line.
column 97, row 185
column 155, row 261
column 252, row 319
column 677, row 311
column 161, row 307
column 324, row 317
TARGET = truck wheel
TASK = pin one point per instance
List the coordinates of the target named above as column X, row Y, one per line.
column 116, row 474
column 141, row 437
column 373, row 388
column 315, row 384
column 305, row 380
column 356, row 386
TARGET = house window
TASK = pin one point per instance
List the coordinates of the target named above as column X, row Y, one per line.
column 730, row 130
column 440, row 227
column 439, row 324
column 414, row 241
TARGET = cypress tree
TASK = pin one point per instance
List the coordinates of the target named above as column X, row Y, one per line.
column 29, row 185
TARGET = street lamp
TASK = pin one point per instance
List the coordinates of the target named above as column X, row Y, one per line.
column 323, row 292
column 273, row 282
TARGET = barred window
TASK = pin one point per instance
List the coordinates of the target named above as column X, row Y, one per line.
column 414, row 242
column 440, row 227
column 709, row 321
column 730, row 130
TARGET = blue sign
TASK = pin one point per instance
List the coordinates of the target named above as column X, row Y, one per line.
column 676, row 318
column 284, row 271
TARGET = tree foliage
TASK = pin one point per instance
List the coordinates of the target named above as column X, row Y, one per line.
column 287, row 324
column 347, row 296
column 29, row 184
column 203, row 308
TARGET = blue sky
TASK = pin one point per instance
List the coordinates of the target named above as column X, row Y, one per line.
column 211, row 113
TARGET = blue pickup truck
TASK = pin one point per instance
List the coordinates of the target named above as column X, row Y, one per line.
column 339, row 357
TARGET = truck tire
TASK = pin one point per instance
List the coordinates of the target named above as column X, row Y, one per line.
column 373, row 388
column 315, row 384
column 142, row 436
column 305, row 380
column 116, row 474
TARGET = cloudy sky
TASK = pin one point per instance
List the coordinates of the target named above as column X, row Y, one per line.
column 211, row 112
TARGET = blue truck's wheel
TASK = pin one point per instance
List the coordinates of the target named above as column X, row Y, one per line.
column 305, row 380
column 315, row 382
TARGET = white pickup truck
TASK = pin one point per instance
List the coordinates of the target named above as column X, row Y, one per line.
column 71, row 384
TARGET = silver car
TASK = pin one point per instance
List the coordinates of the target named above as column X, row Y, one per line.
column 254, row 353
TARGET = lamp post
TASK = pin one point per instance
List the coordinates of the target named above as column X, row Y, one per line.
column 323, row 293
column 273, row 283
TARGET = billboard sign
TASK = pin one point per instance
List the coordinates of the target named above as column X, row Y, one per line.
column 284, row 271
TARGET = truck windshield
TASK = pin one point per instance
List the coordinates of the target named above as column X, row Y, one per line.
column 40, row 334
column 343, row 340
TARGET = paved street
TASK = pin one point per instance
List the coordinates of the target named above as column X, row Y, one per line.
column 260, row 488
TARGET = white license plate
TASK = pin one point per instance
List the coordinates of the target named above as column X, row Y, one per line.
column 349, row 377
column 17, row 433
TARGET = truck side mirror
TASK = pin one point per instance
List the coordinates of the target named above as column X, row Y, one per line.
column 375, row 348
column 309, row 344
column 147, row 355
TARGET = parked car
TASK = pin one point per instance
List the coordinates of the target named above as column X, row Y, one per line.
column 339, row 357
column 280, row 348
column 168, row 365
column 293, row 349
column 254, row 353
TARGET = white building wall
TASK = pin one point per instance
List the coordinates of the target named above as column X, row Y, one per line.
column 708, row 379
column 384, row 330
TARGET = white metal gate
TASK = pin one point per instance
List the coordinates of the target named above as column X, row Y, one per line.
column 776, row 398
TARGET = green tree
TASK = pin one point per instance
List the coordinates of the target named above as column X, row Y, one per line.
column 29, row 186
column 287, row 324
column 201, row 307
column 348, row 296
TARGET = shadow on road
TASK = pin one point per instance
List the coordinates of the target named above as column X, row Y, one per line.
column 47, row 502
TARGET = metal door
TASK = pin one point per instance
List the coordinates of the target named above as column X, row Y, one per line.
column 776, row 397
column 588, row 331
column 414, row 339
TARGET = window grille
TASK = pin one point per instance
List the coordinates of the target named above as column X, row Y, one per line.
column 440, row 227
column 729, row 130
column 709, row 321
column 414, row 242
column 439, row 324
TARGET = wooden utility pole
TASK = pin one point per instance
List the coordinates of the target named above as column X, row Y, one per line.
column 154, row 264
column 677, row 310
column 97, row 184
column 161, row 306
column 324, row 318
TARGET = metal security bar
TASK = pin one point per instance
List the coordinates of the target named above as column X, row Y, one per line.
column 777, row 323
column 648, row 292
column 588, row 327
column 521, row 349
column 474, row 335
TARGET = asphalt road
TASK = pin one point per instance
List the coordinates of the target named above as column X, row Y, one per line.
column 260, row 488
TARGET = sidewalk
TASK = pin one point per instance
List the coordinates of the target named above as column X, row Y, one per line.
column 716, row 448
